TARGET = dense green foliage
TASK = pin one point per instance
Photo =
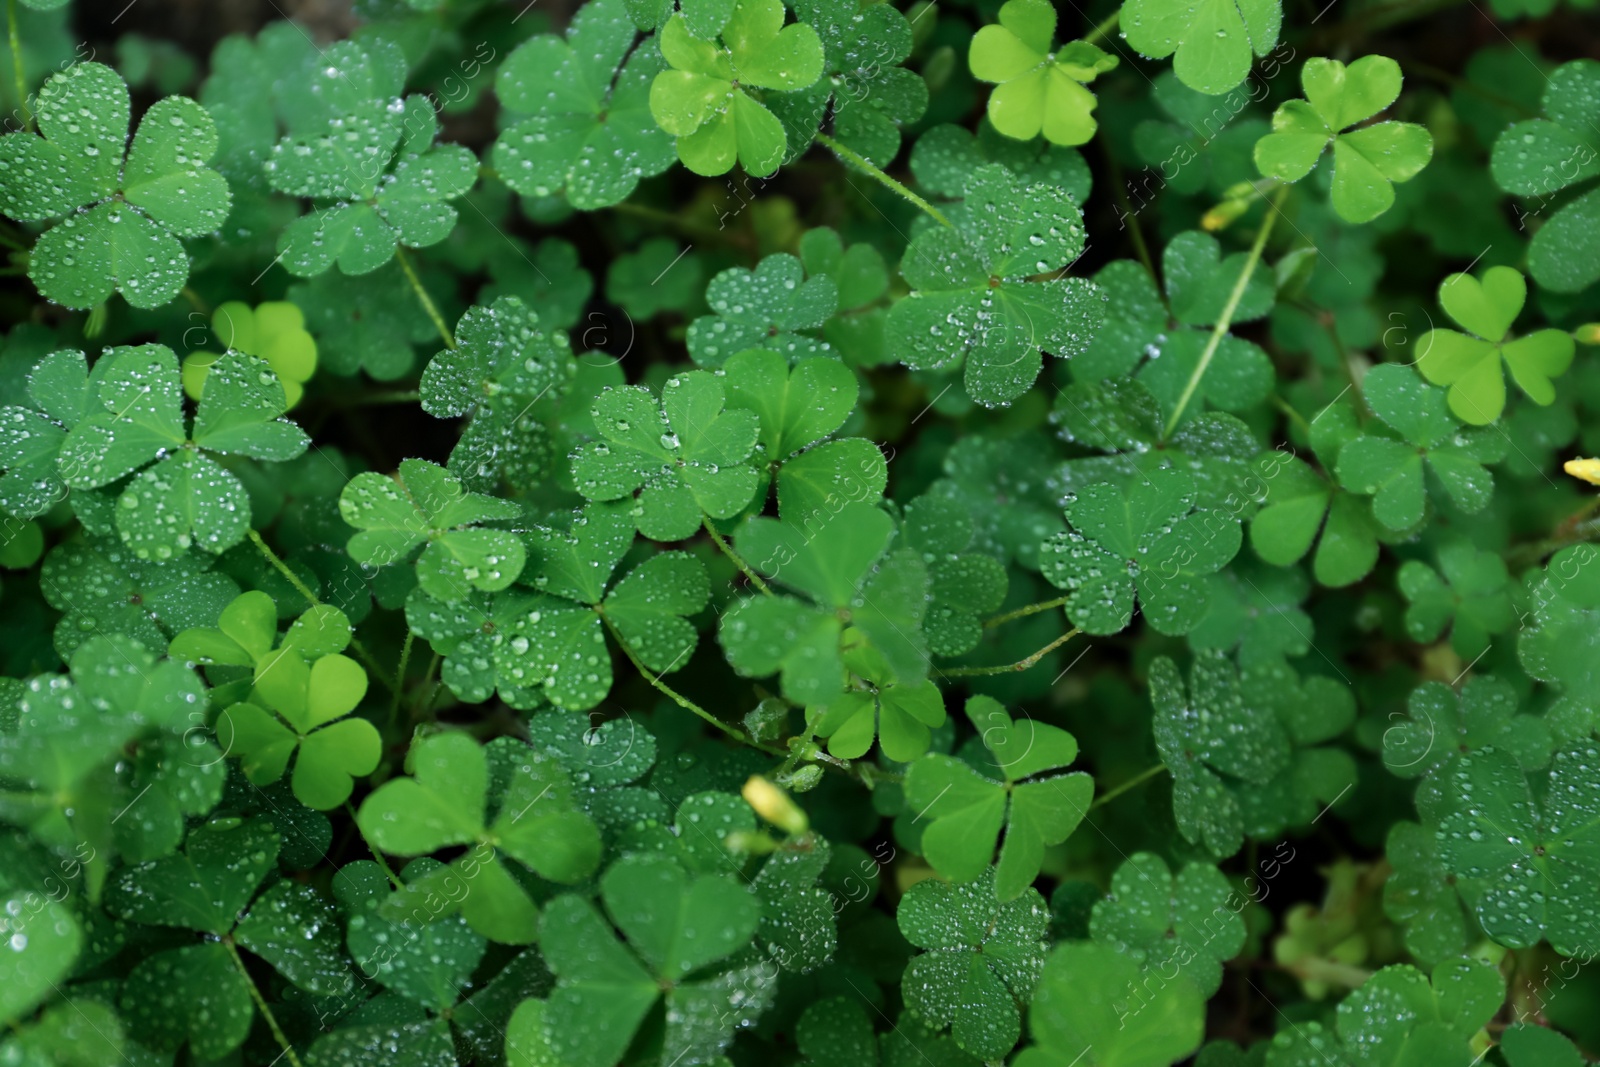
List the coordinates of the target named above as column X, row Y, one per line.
column 548, row 536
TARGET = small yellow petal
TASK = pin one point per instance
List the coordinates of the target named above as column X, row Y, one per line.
column 1586, row 469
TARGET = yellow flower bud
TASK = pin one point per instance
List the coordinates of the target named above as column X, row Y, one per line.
column 1587, row 470
column 774, row 805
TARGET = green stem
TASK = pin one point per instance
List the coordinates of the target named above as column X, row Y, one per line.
column 1128, row 212
column 400, row 677
column 312, row 599
column 1020, row 665
column 677, row 697
column 1294, row 416
column 1220, row 331
column 1021, row 613
column 383, row 863
column 423, row 297
column 262, row 1005
column 429, row 689
column 16, row 64
column 872, row 170
column 738, row 561
column 1132, row 783
column 1106, row 26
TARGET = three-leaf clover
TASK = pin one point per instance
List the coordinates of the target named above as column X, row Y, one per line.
column 1366, row 161
column 448, row 802
column 684, row 456
column 1391, row 471
column 966, row 809
column 1180, row 922
column 124, row 214
column 425, row 504
column 705, row 99
column 1213, row 40
column 1540, row 157
column 1444, row 725
column 1469, row 593
column 964, row 585
column 372, row 167
column 588, row 132
column 1149, row 540
column 1562, row 644
column 679, row 930
column 763, row 308
column 973, row 300
column 135, row 416
column 899, row 716
column 275, row 331
column 1037, row 89
column 982, row 960
column 1469, row 363
column 43, row 939
column 842, row 564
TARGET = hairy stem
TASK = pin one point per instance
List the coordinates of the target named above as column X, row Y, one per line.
column 423, row 297
column 400, row 677
column 1020, row 665
column 738, row 561
column 263, row 1006
column 1218, row 332
column 872, row 170
column 1022, row 613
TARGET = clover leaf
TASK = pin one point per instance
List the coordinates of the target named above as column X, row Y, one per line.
column 1527, row 1045
column 659, row 277
column 1469, row 363
column 1560, row 647
column 186, row 498
column 368, row 323
column 799, row 916
column 588, row 131
column 964, row 585
column 1366, row 161
column 1391, row 471
column 425, row 955
column 425, row 504
column 705, row 99
column 684, row 456
column 1095, row 1002
column 31, row 437
column 763, row 308
column 972, row 301
column 447, row 802
column 1542, row 156
column 1442, row 726
column 967, row 808
column 1213, row 40
column 44, row 939
column 275, row 331
column 899, row 716
column 124, row 214
column 371, row 167
column 677, row 928
column 842, row 565
column 1468, row 593
column 982, row 960
column 504, row 364
column 1150, row 540
column 1421, row 895
column 1037, row 89
column 798, row 406
column 1179, row 921
column 944, row 159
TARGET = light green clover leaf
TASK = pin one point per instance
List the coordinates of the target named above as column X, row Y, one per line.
column 588, row 132
column 447, row 802
column 1469, row 363
column 684, row 456
column 1037, row 89
column 1367, row 161
column 274, row 330
column 1213, row 40
column 705, row 99
column 425, row 504
column 1540, row 157
column 981, row 961
column 186, row 498
column 899, row 716
column 1150, row 541
column 967, row 810
column 124, row 215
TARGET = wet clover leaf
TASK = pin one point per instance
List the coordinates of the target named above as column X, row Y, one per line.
column 765, row 308
column 1469, row 363
column 274, row 330
column 425, row 505
column 1184, row 921
column 685, row 456
column 1037, row 89
column 1211, row 43
column 1366, row 161
column 1560, row 647
column 981, row 961
column 964, row 585
column 1441, row 726
column 186, row 498
column 1150, row 541
column 707, row 99
column 124, row 214
column 967, row 809
column 588, row 133
column 1469, row 593
column 974, row 302
column 43, row 941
